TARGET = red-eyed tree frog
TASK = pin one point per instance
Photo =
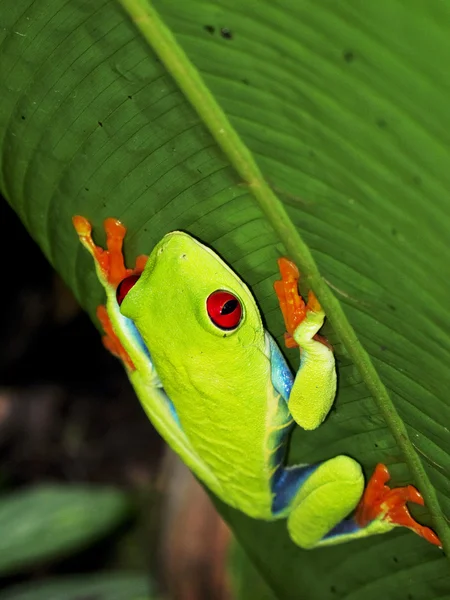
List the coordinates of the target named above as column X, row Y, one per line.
column 217, row 388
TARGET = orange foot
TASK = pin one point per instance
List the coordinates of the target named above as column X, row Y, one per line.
column 292, row 305
column 112, row 267
column 380, row 501
column 110, row 261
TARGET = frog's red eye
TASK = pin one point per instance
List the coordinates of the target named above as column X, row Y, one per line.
column 124, row 287
column 224, row 310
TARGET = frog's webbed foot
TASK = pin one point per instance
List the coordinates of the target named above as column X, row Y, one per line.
column 110, row 263
column 111, row 270
column 380, row 503
column 293, row 307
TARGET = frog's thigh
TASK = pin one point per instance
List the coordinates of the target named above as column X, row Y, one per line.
column 329, row 494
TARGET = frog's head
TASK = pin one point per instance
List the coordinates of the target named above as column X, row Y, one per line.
column 188, row 299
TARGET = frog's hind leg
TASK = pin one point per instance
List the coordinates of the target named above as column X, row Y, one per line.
column 330, row 506
column 326, row 494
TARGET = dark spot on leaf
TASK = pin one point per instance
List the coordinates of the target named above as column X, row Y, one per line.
column 23, row 117
column 382, row 123
column 226, row 33
column 394, row 231
column 410, row 597
column 87, row 189
column 224, row 335
column 130, row 97
column 100, row 123
column 395, row 559
column 210, row 29
column 246, row 81
column 199, row 171
column 376, row 445
column 348, row 56
column 333, row 589
column 392, row 307
column 383, row 348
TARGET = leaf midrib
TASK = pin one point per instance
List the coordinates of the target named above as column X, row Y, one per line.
column 163, row 43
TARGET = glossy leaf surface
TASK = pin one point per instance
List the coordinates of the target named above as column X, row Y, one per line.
column 345, row 108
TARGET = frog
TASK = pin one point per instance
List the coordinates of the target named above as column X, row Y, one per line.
column 218, row 389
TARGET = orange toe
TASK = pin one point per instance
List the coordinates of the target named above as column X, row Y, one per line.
column 292, row 304
column 379, row 501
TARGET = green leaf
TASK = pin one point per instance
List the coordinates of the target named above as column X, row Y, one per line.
column 246, row 581
column 343, row 106
column 51, row 522
column 111, row 586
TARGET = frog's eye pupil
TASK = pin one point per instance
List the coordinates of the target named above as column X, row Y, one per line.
column 229, row 307
column 224, row 310
column 124, row 287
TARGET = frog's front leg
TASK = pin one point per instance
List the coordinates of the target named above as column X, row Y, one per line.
column 112, row 273
column 314, row 388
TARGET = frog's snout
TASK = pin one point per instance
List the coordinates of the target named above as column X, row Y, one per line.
column 179, row 244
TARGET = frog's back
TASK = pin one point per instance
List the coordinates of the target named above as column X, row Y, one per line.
column 237, row 425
